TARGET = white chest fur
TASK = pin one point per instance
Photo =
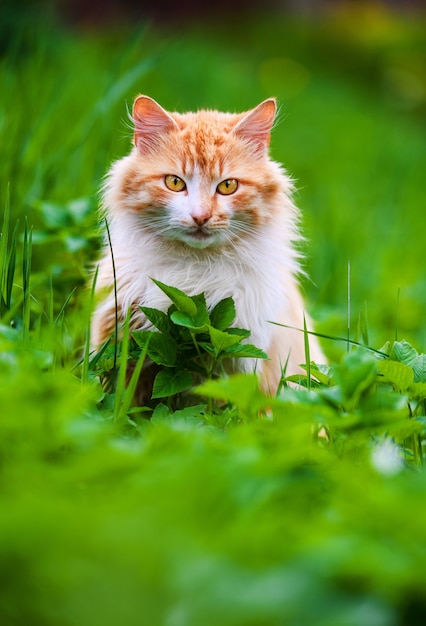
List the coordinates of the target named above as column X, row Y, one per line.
column 254, row 272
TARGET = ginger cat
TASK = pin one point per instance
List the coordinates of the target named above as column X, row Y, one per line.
column 199, row 205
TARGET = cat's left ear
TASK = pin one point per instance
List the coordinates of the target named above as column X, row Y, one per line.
column 151, row 121
column 257, row 124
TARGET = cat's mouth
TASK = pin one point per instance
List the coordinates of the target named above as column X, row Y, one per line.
column 200, row 237
column 200, row 234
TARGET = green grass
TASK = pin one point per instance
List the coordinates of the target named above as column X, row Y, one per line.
column 234, row 509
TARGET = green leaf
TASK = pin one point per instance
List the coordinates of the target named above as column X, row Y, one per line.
column 198, row 320
column 223, row 314
column 354, row 376
column 241, row 332
column 385, row 348
column 160, row 348
column 161, row 414
column 304, row 381
column 74, row 243
column 246, row 350
column 202, row 316
column 397, row 374
column 79, row 209
column 419, row 367
column 381, row 409
column 323, row 373
column 418, row 390
column 207, row 347
column 54, row 215
column 183, row 302
column 241, row 389
column 168, row 382
column 190, row 412
column 404, row 428
column 158, row 318
column 221, row 340
column 188, row 417
column 404, row 352
column 183, row 319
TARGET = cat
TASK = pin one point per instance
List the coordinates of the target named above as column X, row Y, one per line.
column 198, row 204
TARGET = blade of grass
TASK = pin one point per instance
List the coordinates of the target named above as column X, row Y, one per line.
column 349, row 305
column 283, row 383
column 364, row 325
column 64, row 306
column 131, row 387
column 11, row 266
column 122, row 370
column 99, row 353
column 307, row 352
column 115, row 294
column 86, row 358
column 26, row 276
column 333, row 338
column 95, row 358
column 4, row 240
column 51, row 314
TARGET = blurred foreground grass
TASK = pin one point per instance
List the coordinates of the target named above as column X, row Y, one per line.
column 177, row 522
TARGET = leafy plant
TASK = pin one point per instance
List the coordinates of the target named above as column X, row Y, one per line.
column 188, row 344
column 190, row 341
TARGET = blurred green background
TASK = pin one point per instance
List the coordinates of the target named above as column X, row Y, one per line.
column 172, row 522
column 350, row 78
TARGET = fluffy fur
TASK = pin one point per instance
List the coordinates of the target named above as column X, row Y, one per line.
column 200, row 240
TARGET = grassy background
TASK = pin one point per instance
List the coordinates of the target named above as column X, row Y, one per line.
column 173, row 522
column 351, row 86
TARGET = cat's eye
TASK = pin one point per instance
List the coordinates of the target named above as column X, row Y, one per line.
column 174, row 183
column 226, row 187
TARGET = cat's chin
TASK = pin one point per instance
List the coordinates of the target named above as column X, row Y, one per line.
column 200, row 240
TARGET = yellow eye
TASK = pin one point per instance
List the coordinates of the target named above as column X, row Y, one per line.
column 226, row 187
column 174, row 183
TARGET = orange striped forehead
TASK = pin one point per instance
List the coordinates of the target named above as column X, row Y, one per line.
column 209, row 141
column 203, row 141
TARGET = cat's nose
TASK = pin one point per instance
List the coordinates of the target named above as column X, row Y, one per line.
column 200, row 220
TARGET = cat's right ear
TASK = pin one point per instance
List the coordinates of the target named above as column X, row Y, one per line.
column 150, row 121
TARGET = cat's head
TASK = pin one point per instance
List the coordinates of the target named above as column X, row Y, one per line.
column 202, row 178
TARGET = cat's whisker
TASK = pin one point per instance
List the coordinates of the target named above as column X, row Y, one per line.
column 242, row 233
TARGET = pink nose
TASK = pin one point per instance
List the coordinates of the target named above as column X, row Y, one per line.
column 200, row 220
